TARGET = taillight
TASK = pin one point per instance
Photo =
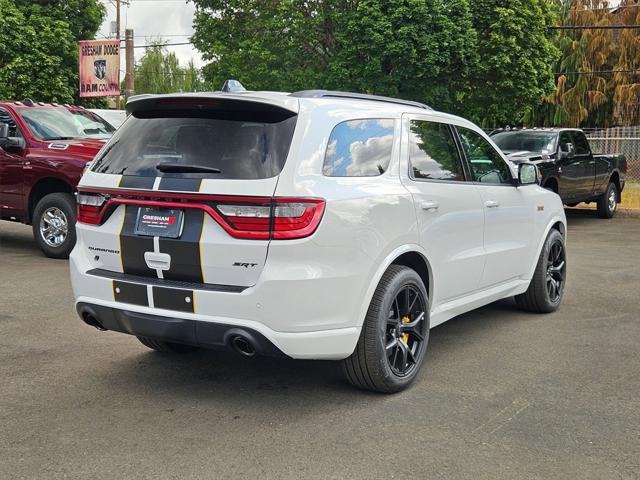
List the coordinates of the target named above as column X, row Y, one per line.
column 279, row 219
column 625, row 166
column 89, row 208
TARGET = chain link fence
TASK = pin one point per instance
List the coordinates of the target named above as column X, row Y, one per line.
column 624, row 140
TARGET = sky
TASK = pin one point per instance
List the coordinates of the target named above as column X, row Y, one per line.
column 170, row 19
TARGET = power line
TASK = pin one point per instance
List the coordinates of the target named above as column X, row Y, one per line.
column 159, row 45
column 578, row 9
column 597, row 72
column 594, row 27
column 163, row 45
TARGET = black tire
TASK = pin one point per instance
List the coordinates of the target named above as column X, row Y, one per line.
column 540, row 296
column 369, row 367
column 608, row 203
column 65, row 203
column 166, row 347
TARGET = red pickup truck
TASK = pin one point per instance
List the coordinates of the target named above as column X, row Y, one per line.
column 43, row 151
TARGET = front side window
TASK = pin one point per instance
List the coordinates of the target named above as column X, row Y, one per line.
column 359, row 148
column 565, row 139
column 581, row 143
column 7, row 119
column 487, row 166
column 432, row 152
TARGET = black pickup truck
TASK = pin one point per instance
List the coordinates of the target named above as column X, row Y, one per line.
column 567, row 165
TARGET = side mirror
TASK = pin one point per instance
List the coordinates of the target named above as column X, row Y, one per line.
column 567, row 151
column 6, row 141
column 527, row 174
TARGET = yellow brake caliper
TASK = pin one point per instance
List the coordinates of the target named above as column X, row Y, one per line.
column 405, row 336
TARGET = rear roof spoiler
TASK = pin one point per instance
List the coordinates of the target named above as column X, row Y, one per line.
column 229, row 102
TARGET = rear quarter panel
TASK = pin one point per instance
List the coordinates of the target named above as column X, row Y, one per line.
column 366, row 219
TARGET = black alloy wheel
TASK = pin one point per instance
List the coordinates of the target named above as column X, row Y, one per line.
column 545, row 292
column 395, row 334
column 405, row 332
column 556, row 266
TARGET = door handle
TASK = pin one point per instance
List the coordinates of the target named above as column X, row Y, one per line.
column 491, row 204
column 429, row 206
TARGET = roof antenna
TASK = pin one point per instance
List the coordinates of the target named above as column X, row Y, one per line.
column 233, row 86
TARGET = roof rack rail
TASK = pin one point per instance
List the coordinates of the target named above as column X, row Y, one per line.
column 357, row 96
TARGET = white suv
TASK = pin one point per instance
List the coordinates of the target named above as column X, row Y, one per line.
column 316, row 225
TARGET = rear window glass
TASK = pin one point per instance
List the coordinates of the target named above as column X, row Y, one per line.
column 239, row 149
column 359, row 148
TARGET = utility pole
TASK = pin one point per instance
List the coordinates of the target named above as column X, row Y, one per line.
column 129, row 75
column 118, row 38
column 118, row 19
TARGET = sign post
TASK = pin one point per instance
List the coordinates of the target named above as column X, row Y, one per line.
column 99, row 68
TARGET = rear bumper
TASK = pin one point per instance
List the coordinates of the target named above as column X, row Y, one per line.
column 204, row 332
column 178, row 330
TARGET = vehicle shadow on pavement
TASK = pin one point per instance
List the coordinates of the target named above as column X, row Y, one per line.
column 581, row 216
column 228, row 377
column 17, row 238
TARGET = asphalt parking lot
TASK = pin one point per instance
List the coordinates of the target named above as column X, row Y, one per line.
column 503, row 394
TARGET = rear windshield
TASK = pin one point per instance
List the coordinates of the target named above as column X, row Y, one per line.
column 254, row 148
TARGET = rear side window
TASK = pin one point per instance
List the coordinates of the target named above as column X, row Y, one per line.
column 254, row 148
column 432, row 152
column 359, row 148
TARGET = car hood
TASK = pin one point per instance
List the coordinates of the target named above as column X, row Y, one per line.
column 519, row 156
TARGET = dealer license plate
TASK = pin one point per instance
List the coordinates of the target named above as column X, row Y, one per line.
column 159, row 222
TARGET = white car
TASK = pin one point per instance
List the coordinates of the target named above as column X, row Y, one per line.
column 315, row 225
column 114, row 117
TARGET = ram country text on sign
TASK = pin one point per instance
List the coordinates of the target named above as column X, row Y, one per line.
column 99, row 68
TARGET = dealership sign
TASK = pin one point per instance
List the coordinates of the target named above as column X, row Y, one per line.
column 99, row 68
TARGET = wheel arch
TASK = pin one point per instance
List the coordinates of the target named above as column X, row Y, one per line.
column 556, row 223
column 44, row 187
column 615, row 178
column 412, row 256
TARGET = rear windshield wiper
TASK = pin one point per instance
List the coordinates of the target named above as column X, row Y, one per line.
column 170, row 167
column 59, row 138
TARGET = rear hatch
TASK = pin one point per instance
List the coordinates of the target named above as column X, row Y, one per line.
column 194, row 201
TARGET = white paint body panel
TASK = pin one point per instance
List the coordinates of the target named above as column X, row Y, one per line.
column 310, row 296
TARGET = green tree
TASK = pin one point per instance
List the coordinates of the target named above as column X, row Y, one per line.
column 489, row 60
column 417, row 49
column 517, row 55
column 39, row 49
column 159, row 71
